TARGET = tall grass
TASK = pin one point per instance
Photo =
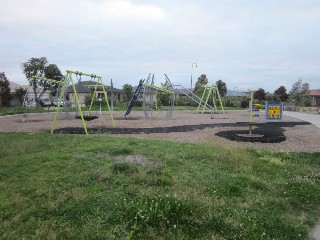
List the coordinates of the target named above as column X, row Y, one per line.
column 69, row 186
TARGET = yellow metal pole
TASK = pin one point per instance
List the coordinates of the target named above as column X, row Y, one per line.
column 214, row 100
column 207, row 99
column 59, row 101
column 93, row 96
column 202, row 97
column 250, row 111
column 106, row 97
column 217, row 90
column 78, row 103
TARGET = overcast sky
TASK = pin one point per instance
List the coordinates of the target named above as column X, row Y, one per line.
column 246, row 43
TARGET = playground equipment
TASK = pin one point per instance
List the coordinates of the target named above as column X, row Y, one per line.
column 27, row 102
column 274, row 111
column 134, row 98
column 151, row 97
column 253, row 111
column 210, row 91
column 64, row 84
column 198, row 100
column 64, row 113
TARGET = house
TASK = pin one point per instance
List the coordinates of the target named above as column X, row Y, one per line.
column 16, row 101
column 237, row 93
column 182, row 92
column 315, row 94
column 86, row 88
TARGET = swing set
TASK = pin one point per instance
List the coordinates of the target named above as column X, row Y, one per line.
column 210, row 91
column 68, row 81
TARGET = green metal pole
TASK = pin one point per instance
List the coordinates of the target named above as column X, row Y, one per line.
column 94, row 93
column 78, row 103
column 58, row 107
column 207, row 99
column 106, row 97
column 81, row 73
column 214, row 100
column 250, row 111
column 158, row 88
column 217, row 90
column 157, row 103
column 250, row 105
column 202, row 97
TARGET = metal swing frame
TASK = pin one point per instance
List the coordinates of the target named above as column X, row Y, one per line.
column 68, row 80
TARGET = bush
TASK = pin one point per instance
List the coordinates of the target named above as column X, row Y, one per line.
column 244, row 103
column 138, row 103
column 185, row 101
column 307, row 101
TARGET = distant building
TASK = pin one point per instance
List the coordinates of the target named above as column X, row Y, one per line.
column 86, row 88
column 315, row 94
column 237, row 93
column 15, row 101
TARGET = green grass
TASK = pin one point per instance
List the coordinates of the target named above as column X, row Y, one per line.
column 16, row 110
column 72, row 187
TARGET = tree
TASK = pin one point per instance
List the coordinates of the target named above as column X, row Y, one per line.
column 298, row 93
column 281, row 92
column 164, row 98
column 39, row 67
column 128, row 92
column 260, row 94
column 305, row 88
column 20, row 92
column 202, row 81
column 5, row 96
column 222, row 88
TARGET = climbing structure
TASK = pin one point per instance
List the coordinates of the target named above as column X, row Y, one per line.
column 196, row 99
column 210, row 91
column 134, row 98
column 152, row 97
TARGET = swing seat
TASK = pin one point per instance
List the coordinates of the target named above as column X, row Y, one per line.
column 87, row 117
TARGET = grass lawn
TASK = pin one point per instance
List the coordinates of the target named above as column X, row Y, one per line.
column 79, row 187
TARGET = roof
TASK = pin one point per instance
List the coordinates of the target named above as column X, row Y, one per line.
column 13, row 86
column 314, row 93
column 88, row 87
column 182, row 91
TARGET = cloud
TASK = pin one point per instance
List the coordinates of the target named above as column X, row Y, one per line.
column 76, row 12
column 242, row 42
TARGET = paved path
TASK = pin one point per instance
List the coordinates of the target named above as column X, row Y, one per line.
column 309, row 117
column 314, row 119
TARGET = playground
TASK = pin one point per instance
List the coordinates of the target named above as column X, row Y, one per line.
column 184, row 126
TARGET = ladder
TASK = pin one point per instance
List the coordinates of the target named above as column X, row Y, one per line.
column 134, row 98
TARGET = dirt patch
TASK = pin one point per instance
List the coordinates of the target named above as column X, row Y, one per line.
column 136, row 159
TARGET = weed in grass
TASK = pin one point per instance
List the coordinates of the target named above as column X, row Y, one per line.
column 159, row 214
column 124, row 168
column 119, row 150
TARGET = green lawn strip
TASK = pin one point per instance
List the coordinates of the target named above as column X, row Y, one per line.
column 71, row 186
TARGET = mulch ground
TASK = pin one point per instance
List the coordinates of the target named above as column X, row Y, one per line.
column 226, row 130
column 269, row 132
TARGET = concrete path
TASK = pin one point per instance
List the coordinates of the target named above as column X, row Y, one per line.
column 309, row 117
column 316, row 232
column 314, row 119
